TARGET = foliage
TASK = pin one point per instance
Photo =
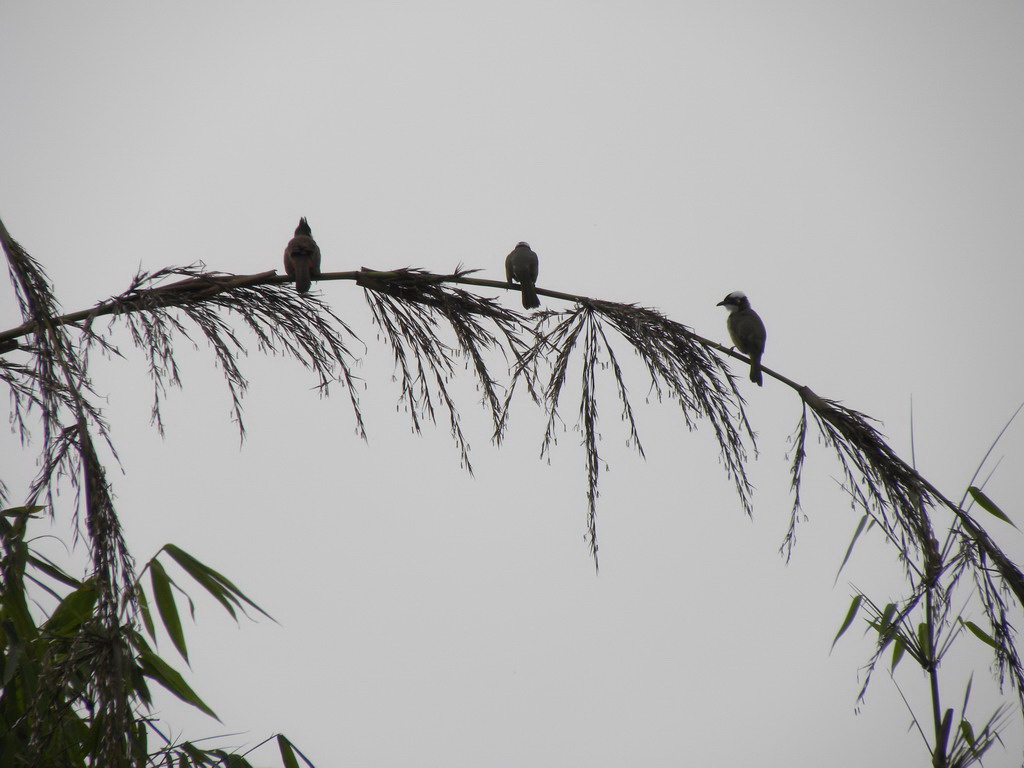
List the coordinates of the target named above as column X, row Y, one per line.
column 923, row 625
column 48, row 707
column 76, row 681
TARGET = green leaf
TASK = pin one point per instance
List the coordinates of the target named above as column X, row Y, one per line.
column 215, row 583
column 849, row 550
column 850, row 615
column 160, row 671
column 47, row 566
column 968, row 732
column 884, row 626
column 167, row 607
column 898, row 650
column 988, row 505
column 887, row 614
column 201, row 574
column 230, row 759
column 199, row 756
column 72, row 611
column 147, row 615
column 287, row 753
column 981, row 634
column 22, row 512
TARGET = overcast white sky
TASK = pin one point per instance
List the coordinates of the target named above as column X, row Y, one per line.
column 855, row 167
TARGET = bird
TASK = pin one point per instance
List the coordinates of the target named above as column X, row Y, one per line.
column 521, row 266
column 302, row 257
column 746, row 330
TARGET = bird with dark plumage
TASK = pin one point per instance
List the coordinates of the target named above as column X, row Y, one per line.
column 302, row 257
column 522, row 266
column 746, row 330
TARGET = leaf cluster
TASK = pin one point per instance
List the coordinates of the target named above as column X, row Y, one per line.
column 50, row 700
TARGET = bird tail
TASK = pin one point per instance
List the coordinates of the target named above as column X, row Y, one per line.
column 302, row 280
column 530, row 300
column 755, row 372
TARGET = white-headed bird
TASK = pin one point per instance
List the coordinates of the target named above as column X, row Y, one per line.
column 521, row 265
column 746, row 330
column 302, row 257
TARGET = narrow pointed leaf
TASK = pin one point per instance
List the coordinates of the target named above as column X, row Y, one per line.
column 215, row 588
column 161, row 672
column 21, row 511
column 216, row 583
column 147, row 616
column 850, row 616
column 282, row 740
column 981, row 634
column 47, row 566
column 167, row 607
column 988, row 505
column 898, row 650
column 287, row 753
column 849, row 550
column 968, row 732
column 45, row 587
column 72, row 611
column 887, row 614
column 967, row 692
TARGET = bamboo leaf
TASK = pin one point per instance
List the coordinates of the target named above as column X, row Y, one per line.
column 161, row 672
column 850, row 615
column 206, row 577
column 72, row 611
column 849, row 550
column 981, row 634
column 887, row 614
column 968, row 732
column 922, row 639
column 287, row 753
column 218, row 585
column 898, row 650
column 168, row 608
column 21, row 512
column 229, row 759
column 988, row 505
column 147, row 615
column 283, row 744
column 45, row 587
column 47, row 566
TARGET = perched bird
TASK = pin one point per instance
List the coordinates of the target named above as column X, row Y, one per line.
column 302, row 257
column 747, row 331
column 521, row 266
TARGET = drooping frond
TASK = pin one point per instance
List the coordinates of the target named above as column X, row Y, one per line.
column 282, row 321
column 409, row 305
column 875, row 476
column 680, row 368
column 69, row 419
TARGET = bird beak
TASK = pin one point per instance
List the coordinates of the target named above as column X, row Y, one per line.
column 721, row 303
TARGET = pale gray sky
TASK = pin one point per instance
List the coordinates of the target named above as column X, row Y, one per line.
column 855, row 167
